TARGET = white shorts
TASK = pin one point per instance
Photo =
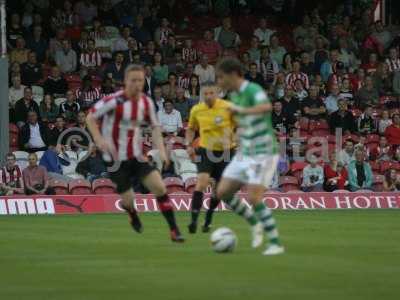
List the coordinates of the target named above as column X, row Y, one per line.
column 257, row 170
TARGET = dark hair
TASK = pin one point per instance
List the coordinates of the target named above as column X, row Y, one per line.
column 10, row 154
column 190, row 87
column 168, row 101
column 230, row 66
column 388, row 177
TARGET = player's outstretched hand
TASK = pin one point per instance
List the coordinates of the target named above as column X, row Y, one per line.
column 235, row 109
column 104, row 146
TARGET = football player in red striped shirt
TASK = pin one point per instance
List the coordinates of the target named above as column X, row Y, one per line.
column 115, row 123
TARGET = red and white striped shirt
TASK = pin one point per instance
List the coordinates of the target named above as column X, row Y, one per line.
column 394, row 65
column 87, row 97
column 11, row 177
column 121, row 122
column 189, row 55
column 91, row 60
column 292, row 77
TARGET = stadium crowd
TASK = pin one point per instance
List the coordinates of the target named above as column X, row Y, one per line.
column 330, row 70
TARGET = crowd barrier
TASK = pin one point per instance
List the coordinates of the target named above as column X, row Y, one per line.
column 89, row 204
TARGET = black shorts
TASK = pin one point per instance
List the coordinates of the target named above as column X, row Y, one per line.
column 213, row 162
column 129, row 170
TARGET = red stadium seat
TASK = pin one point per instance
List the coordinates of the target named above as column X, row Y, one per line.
column 103, row 186
column 13, row 128
column 174, row 185
column 190, row 184
column 288, row 183
column 80, row 187
column 378, row 182
column 60, row 186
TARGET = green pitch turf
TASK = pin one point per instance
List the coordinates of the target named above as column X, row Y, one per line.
column 330, row 255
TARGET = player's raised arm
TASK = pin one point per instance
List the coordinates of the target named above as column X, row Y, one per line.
column 262, row 105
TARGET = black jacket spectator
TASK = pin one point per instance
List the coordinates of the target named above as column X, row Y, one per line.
column 55, row 84
column 25, row 105
column 31, row 71
column 342, row 118
column 25, row 135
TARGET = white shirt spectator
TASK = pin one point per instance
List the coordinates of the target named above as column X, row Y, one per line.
column 383, row 124
column 35, row 139
column 66, row 61
column 171, row 122
column 205, row 74
column 331, row 104
column 264, row 35
column 120, row 45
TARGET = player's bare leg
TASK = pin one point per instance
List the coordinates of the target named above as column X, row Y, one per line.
column 127, row 203
column 203, row 180
column 264, row 215
column 226, row 191
column 154, row 183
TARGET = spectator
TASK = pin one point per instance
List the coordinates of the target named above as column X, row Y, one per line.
column 158, row 99
column 140, row 32
column 55, row 133
column 104, row 44
column 36, row 180
column 11, row 182
column 384, row 122
column 383, row 151
column 368, row 94
column 176, row 63
column 254, row 50
column 55, row 43
column 38, row 44
column 346, row 155
column 267, row 66
column 208, row 46
column 342, row 118
column 86, row 10
column 66, row 58
column 33, row 135
column 331, row 102
column 19, row 54
column 254, row 76
column 204, row 70
column 366, row 124
column 360, row 173
column 371, row 66
column 48, row 109
column 277, row 51
column 226, row 36
column 393, row 61
column 392, row 132
column 90, row 59
column 93, row 167
column 346, row 55
column 189, row 53
column 319, row 55
column 107, row 88
column 396, row 83
column 382, row 35
column 329, row 66
column 16, row 91
column 132, row 53
column 53, row 159
column 313, row 106
column 69, row 108
column 313, row 176
column 346, row 92
column 31, row 71
column 281, row 121
column 55, row 84
column 163, row 32
column 290, row 104
column 383, row 80
column 25, row 105
column 160, row 70
column 299, row 90
column 182, row 104
column 193, row 90
column 391, row 182
column 336, row 176
column 115, row 70
column 150, row 81
column 263, row 32
column 297, row 74
column 307, row 66
column 14, row 29
column 87, row 95
column 168, row 50
column 170, row 119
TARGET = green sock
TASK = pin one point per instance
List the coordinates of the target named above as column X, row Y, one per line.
column 264, row 215
column 242, row 210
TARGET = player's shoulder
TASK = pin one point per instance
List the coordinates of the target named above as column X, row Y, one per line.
column 221, row 103
column 113, row 96
column 253, row 87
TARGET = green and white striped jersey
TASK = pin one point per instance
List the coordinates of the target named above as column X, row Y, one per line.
column 256, row 134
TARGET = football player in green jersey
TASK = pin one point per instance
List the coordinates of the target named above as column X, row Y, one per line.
column 257, row 158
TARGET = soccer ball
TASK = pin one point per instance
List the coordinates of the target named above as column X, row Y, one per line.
column 223, row 240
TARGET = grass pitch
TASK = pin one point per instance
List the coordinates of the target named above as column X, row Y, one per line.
column 330, row 255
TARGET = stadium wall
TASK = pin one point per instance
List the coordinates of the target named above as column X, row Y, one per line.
column 89, row 204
